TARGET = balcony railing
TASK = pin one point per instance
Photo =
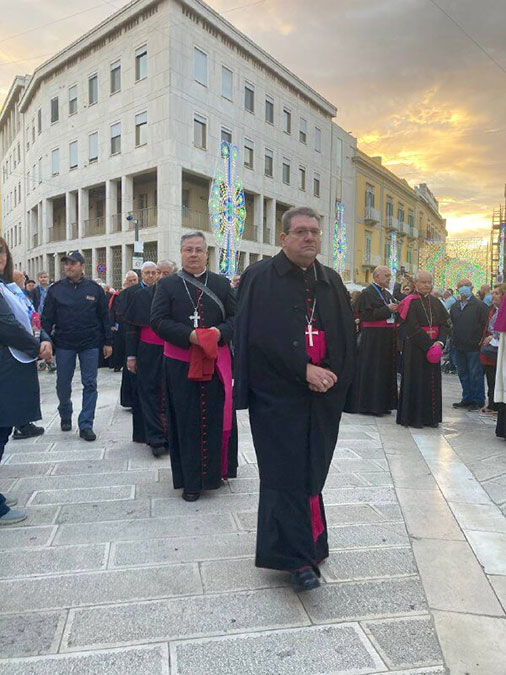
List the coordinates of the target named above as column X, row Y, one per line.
column 116, row 222
column 196, row 220
column 74, row 231
column 57, row 233
column 371, row 260
column 392, row 223
column 35, row 240
column 251, row 233
column 267, row 235
column 94, row 227
column 371, row 215
column 144, row 217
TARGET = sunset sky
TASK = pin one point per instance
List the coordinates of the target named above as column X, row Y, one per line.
column 407, row 82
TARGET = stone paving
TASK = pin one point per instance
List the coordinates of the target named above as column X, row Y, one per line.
column 113, row 573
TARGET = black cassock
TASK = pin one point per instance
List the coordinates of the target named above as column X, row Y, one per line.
column 420, row 400
column 375, row 387
column 140, row 342
column 195, row 409
column 128, row 392
column 294, row 430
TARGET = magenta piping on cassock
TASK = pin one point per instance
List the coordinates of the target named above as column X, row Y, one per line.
column 316, row 517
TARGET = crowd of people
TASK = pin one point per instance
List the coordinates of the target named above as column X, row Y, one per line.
column 285, row 341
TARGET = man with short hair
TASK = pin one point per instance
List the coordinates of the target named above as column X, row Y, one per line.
column 376, row 381
column 295, row 359
column 76, row 315
column 469, row 317
column 193, row 312
column 165, row 268
column 427, row 327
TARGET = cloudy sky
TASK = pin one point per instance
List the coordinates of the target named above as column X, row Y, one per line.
column 407, row 81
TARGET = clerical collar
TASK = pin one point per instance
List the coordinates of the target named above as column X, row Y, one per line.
column 200, row 274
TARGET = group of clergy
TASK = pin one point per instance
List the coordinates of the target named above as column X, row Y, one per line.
column 292, row 331
column 412, row 332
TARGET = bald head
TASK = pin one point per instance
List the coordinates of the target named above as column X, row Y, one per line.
column 131, row 279
column 423, row 282
column 465, row 282
column 382, row 276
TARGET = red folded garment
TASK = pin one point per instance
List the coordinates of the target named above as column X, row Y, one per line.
column 203, row 356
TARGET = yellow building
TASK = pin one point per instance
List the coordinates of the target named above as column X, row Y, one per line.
column 388, row 210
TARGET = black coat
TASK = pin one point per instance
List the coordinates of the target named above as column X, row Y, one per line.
column 468, row 324
column 19, row 384
column 270, row 371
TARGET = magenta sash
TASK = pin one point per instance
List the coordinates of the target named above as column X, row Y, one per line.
column 435, row 330
column 224, row 369
column 149, row 336
column 378, row 324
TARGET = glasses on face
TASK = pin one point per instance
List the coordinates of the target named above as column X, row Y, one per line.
column 190, row 250
column 301, row 232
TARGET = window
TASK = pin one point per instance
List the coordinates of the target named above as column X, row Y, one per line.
column 73, row 154
column 248, row 153
column 226, row 135
column 303, row 130
column 400, row 213
column 19, row 149
column 93, row 89
column 249, row 97
column 411, row 218
column 116, row 138
column 389, row 210
column 269, row 109
column 27, row 146
column 227, row 83
column 368, row 246
column 286, row 171
column 316, row 185
column 200, row 66
column 302, row 178
column 141, row 62
column 200, row 132
column 39, row 122
column 55, row 113
column 141, row 129
column 287, row 121
column 93, row 147
column 115, row 77
column 317, row 139
column 55, row 162
column 40, row 174
column 33, row 130
column 73, row 99
column 369, row 195
column 269, row 162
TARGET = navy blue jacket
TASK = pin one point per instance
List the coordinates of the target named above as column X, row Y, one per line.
column 76, row 315
column 468, row 324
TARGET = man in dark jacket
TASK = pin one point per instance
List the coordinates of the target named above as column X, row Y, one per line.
column 469, row 316
column 76, row 315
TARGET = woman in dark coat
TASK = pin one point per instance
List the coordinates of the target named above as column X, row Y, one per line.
column 19, row 384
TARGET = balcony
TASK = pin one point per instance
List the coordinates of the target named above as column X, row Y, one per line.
column 74, row 231
column 250, row 233
column 411, row 231
column 196, row 220
column 392, row 224
column 144, row 217
column 94, row 227
column 57, row 233
column 267, row 235
column 35, row 240
column 371, row 260
column 371, row 215
column 116, row 222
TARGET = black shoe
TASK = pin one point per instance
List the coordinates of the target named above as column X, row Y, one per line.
column 27, row 431
column 158, row 449
column 66, row 425
column 88, row 434
column 461, row 404
column 191, row 496
column 304, row 579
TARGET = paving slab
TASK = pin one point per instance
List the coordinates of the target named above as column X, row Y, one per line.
column 484, row 517
column 207, row 504
column 406, row 642
column 98, row 588
column 453, row 579
column 369, row 563
column 25, row 470
column 37, row 561
column 183, row 549
column 339, row 649
column 341, row 514
column 88, row 480
column 238, row 575
column 105, row 510
column 183, row 618
column 21, row 537
column 490, row 548
column 376, row 478
column 30, row 634
column 359, row 495
column 139, row 660
column 427, row 514
column 359, row 536
column 363, row 600
column 54, row 456
column 165, row 489
column 69, row 468
column 39, row 515
column 143, row 528
column 82, row 495
column 337, row 480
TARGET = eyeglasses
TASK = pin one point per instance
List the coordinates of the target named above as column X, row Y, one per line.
column 300, row 232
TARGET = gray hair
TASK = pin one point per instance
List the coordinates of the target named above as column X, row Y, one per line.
column 41, row 273
column 286, row 218
column 417, row 275
column 191, row 235
column 148, row 263
column 170, row 263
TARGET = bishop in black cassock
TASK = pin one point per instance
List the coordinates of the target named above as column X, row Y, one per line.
column 427, row 326
column 202, row 426
column 294, row 361
column 376, row 379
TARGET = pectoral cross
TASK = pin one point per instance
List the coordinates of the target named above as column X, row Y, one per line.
column 310, row 332
column 195, row 317
column 431, row 332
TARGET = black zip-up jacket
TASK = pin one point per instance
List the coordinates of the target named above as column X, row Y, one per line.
column 76, row 315
column 468, row 324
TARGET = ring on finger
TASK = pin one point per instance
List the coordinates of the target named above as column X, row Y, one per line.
column 325, row 382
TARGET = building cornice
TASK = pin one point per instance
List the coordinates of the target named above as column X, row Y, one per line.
column 12, row 96
column 137, row 8
column 382, row 173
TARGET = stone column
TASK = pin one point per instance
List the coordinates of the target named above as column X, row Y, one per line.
column 127, row 199
column 108, row 264
column 258, row 217
column 84, row 210
column 169, row 186
column 94, row 260
column 47, row 219
column 71, row 214
column 271, row 220
column 111, row 197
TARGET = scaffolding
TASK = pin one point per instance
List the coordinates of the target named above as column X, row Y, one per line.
column 497, row 233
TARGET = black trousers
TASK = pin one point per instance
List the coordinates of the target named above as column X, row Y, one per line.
column 5, row 432
column 490, row 375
